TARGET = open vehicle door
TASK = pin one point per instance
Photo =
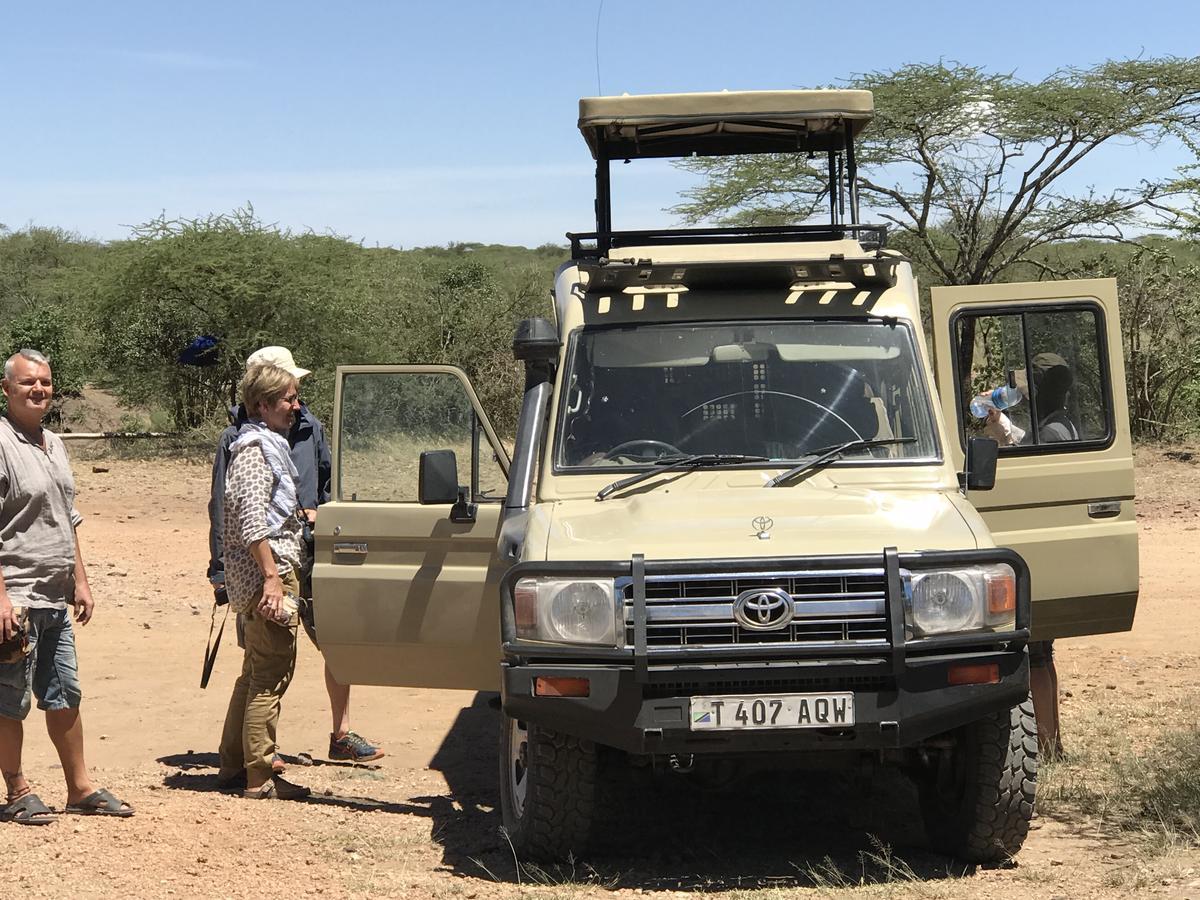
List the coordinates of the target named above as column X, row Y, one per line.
column 1064, row 489
column 407, row 593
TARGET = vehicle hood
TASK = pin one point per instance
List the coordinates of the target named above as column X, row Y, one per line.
column 804, row 520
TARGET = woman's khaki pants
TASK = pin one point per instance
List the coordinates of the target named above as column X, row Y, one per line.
column 248, row 739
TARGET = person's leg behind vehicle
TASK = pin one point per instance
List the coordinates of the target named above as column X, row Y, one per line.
column 1043, row 684
column 344, row 744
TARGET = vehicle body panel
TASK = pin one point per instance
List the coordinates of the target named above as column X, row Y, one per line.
column 697, row 517
column 403, row 595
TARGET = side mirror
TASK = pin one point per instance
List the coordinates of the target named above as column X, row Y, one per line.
column 980, row 474
column 437, row 482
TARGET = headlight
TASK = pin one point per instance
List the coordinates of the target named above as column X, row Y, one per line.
column 567, row 612
column 973, row 598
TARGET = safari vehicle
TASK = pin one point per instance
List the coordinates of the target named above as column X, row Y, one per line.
column 748, row 521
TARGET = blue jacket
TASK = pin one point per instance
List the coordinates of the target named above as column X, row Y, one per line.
column 310, row 453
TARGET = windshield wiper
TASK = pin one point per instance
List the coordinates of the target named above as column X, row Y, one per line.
column 671, row 463
column 825, row 455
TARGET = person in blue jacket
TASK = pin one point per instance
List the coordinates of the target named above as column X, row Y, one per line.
column 314, row 463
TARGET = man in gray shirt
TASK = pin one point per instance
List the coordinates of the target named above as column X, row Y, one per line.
column 41, row 575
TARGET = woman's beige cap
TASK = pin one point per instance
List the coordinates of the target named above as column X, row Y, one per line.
column 277, row 356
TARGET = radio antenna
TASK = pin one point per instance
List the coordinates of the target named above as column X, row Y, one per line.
column 599, row 10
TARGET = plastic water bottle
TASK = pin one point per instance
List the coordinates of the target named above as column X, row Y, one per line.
column 999, row 398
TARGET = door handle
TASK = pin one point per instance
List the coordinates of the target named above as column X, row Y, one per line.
column 1104, row 509
column 350, row 548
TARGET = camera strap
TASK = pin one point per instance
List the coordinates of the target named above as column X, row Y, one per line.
column 210, row 652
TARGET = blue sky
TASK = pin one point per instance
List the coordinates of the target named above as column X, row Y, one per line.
column 412, row 124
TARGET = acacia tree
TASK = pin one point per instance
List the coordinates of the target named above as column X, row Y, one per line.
column 1160, row 313
column 229, row 277
column 971, row 167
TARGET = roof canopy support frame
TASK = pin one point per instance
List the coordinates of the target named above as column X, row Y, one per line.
column 851, row 175
column 665, row 126
column 603, row 195
column 842, row 171
column 833, row 188
column 841, row 188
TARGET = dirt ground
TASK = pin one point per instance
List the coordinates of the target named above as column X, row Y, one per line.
column 424, row 822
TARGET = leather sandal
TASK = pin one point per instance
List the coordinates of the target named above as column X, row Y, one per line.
column 28, row 809
column 101, row 803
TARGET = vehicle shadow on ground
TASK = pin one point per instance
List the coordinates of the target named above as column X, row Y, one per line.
column 783, row 829
column 466, row 820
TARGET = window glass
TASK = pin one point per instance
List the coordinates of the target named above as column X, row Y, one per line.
column 387, row 420
column 1042, row 370
column 773, row 389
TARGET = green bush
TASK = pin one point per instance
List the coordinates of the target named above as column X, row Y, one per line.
column 329, row 300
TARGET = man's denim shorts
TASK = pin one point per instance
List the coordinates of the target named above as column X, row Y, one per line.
column 50, row 671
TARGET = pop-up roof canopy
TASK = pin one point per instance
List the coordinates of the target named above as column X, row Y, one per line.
column 727, row 123
column 722, row 123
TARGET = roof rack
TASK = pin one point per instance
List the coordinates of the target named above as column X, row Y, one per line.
column 588, row 245
column 875, row 271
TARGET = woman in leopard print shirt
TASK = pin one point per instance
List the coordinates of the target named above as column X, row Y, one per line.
column 264, row 553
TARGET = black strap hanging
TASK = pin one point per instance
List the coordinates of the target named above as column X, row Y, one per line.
column 210, row 653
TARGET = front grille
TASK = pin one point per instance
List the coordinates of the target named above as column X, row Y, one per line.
column 697, row 611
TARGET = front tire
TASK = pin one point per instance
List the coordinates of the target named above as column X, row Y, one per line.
column 978, row 800
column 547, row 790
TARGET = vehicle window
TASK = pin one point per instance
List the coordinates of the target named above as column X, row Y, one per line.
column 387, row 419
column 776, row 389
column 1043, row 369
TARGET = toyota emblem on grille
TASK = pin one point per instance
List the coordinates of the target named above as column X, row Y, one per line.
column 762, row 527
column 763, row 609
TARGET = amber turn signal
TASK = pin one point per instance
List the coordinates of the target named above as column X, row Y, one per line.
column 987, row 673
column 554, row 686
column 1001, row 594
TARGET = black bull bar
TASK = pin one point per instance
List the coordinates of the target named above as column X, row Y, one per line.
column 663, row 664
column 638, row 697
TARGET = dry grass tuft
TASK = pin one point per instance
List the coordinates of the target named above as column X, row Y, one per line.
column 1145, row 782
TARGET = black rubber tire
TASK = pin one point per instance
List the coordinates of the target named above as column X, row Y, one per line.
column 555, row 821
column 978, row 803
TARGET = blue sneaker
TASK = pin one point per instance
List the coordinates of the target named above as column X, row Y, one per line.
column 353, row 747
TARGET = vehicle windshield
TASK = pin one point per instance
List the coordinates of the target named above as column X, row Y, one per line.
column 773, row 389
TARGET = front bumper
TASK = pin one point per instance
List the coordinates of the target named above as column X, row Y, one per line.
column 623, row 713
column 639, row 697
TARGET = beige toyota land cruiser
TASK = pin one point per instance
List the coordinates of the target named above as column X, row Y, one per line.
column 750, row 517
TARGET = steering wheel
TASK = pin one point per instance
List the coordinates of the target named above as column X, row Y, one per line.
column 649, row 443
column 821, row 413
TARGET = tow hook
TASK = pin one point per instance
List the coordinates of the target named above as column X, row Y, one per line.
column 679, row 766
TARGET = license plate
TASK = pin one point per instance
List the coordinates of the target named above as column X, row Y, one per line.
column 775, row 711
